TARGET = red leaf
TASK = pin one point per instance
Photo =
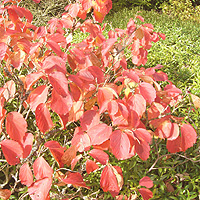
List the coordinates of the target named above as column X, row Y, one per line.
column 100, row 156
column 120, row 144
column 146, row 193
column 55, row 47
column 109, row 182
column 174, row 146
column 25, row 175
column 12, row 151
column 89, row 119
column 32, row 78
column 76, row 180
column 146, row 181
column 81, row 140
column 140, row 18
column 142, row 148
column 56, row 150
column 43, row 118
column 167, row 130
column 16, row 126
column 188, row 136
column 148, row 92
column 27, row 144
column 5, row 194
column 137, row 103
column 143, row 134
column 99, row 133
column 37, row 1
column 37, row 96
column 186, row 140
column 59, row 82
column 39, row 190
column 59, row 104
column 91, row 166
column 54, row 63
column 97, row 73
column 42, row 169
column 3, row 48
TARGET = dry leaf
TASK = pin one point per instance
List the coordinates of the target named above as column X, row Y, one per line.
column 195, row 100
column 170, row 188
column 69, row 155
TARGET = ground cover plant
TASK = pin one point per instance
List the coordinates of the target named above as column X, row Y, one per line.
column 76, row 115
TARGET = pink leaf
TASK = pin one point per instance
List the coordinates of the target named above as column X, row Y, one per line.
column 120, row 144
column 89, row 119
column 81, row 140
column 3, row 48
column 53, row 63
column 59, row 82
column 12, row 151
column 25, row 175
column 99, row 133
column 188, row 136
column 75, row 179
column 137, row 103
column 43, row 118
column 27, row 144
column 56, row 150
column 146, row 193
column 148, row 92
column 91, row 166
column 109, row 182
column 100, row 156
column 59, row 104
column 16, row 126
column 37, row 96
column 39, row 190
column 146, row 181
column 42, row 169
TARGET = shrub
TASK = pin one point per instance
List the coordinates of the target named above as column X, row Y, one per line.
column 182, row 9
column 67, row 109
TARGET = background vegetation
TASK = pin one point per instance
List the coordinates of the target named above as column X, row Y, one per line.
column 175, row 176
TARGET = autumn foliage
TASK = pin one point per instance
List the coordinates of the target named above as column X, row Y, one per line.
column 88, row 87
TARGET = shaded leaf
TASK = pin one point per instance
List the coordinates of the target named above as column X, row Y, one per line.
column 69, row 155
column 56, row 150
column 76, row 180
column 146, row 193
column 5, row 194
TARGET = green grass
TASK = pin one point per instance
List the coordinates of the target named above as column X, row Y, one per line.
column 179, row 53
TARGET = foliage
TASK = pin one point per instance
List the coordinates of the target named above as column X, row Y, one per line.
column 71, row 111
column 182, row 9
